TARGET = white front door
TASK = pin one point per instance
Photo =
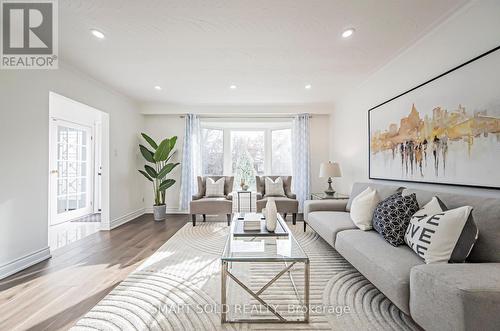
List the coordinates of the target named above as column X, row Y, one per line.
column 71, row 172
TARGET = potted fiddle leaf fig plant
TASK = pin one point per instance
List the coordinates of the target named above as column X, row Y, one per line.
column 157, row 169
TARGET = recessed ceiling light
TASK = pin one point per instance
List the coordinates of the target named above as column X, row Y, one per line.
column 157, row 87
column 308, row 86
column 232, row 87
column 347, row 33
column 97, row 33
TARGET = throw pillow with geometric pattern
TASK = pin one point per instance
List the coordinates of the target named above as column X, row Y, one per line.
column 392, row 216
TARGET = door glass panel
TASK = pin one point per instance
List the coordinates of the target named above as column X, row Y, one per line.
column 62, row 151
column 82, row 185
column 72, row 168
column 62, row 168
column 61, row 204
column 72, row 186
column 72, row 202
column 62, row 134
column 62, row 187
column 83, row 138
column 72, row 137
column 83, row 169
column 83, row 153
column 82, row 200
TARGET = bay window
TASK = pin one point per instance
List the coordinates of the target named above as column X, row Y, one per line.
column 246, row 150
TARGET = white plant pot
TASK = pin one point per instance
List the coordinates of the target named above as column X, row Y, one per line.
column 271, row 215
column 160, row 212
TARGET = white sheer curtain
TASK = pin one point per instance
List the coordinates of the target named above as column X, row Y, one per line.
column 191, row 160
column 301, row 158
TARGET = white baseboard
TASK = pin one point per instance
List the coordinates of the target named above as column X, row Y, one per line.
column 24, row 262
column 170, row 210
column 126, row 218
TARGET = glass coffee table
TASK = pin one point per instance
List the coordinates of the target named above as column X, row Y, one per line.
column 244, row 260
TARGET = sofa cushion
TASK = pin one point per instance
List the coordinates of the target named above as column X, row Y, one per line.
column 211, row 206
column 385, row 266
column 383, row 191
column 283, row 204
column 328, row 223
column 456, row 296
column 486, row 217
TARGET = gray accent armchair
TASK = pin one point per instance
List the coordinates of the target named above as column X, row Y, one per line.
column 286, row 204
column 200, row 204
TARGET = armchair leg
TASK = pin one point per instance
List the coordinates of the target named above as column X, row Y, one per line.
column 284, row 216
column 305, row 225
column 193, row 217
column 228, row 219
column 294, row 218
column 204, row 217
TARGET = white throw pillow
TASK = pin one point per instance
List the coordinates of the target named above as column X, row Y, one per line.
column 362, row 208
column 434, row 233
column 215, row 188
column 274, row 188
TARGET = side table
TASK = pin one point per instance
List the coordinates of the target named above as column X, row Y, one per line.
column 239, row 193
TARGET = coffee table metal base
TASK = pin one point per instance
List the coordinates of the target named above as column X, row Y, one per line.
column 225, row 273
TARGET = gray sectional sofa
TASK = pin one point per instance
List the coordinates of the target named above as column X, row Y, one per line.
column 437, row 296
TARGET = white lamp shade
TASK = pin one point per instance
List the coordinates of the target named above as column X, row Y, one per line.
column 330, row 169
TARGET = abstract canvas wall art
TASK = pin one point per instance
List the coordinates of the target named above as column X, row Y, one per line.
column 444, row 131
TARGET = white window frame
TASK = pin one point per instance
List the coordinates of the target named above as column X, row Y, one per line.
column 267, row 127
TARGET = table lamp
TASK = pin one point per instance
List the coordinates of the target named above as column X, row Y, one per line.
column 330, row 170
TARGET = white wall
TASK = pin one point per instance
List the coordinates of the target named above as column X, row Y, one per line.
column 24, row 130
column 472, row 31
column 162, row 126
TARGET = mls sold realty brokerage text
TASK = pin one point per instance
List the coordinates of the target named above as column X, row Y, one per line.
column 29, row 34
column 249, row 309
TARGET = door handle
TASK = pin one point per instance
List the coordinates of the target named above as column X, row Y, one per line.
column 53, row 172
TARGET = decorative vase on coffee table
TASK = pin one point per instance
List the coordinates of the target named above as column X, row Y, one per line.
column 271, row 215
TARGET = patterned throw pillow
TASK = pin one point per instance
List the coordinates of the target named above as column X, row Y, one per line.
column 274, row 188
column 437, row 234
column 215, row 188
column 392, row 216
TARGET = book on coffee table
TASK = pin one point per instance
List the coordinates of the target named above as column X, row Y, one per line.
column 254, row 225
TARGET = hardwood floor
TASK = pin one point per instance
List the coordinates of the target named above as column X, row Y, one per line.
column 54, row 294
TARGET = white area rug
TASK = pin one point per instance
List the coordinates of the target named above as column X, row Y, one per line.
column 178, row 288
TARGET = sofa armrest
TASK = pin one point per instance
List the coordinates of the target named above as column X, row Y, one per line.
column 196, row 197
column 456, row 296
column 291, row 196
column 229, row 196
column 323, row 205
column 258, row 196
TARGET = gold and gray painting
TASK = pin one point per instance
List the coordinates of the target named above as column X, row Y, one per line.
column 421, row 144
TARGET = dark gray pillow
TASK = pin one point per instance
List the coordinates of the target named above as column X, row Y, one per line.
column 392, row 216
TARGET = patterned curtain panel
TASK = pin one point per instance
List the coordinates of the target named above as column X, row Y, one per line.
column 191, row 160
column 301, row 158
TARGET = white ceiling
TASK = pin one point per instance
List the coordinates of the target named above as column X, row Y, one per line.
column 269, row 48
